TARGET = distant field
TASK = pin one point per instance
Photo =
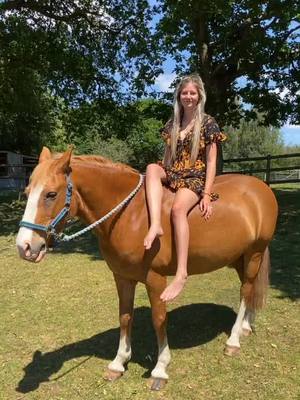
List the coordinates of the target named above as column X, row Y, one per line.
column 60, row 325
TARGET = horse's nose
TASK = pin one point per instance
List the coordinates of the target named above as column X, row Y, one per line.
column 27, row 249
column 32, row 251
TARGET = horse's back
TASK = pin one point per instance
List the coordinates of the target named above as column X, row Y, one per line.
column 239, row 195
column 243, row 216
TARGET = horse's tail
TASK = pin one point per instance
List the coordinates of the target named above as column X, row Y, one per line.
column 256, row 297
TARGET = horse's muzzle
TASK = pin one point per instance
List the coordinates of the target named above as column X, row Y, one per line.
column 32, row 250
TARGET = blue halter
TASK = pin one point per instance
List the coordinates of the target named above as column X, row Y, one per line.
column 51, row 228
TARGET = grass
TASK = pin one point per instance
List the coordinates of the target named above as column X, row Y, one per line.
column 60, row 326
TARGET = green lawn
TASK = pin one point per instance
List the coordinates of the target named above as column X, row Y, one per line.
column 60, row 325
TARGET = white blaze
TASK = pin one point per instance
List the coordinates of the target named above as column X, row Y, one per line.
column 25, row 234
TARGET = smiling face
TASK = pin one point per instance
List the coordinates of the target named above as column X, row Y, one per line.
column 189, row 97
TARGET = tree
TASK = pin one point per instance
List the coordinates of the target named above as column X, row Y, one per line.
column 129, row 133
column 224, row 41
column 75, row 51
column 87, row 49
column 251, row 139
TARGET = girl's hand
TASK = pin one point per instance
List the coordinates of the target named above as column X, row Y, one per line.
column 205, row 206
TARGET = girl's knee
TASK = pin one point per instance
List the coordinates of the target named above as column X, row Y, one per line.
column 151, row 168
column 154, row 170
column 178, row 210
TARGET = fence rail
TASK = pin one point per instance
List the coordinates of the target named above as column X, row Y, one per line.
column 15, row 176
column 268, row 170
column 18, row 174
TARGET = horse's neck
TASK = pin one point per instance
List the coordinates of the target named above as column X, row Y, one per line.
column 101, row 188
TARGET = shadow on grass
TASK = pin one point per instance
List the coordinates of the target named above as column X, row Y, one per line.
column 285, row 249
column 211, row 320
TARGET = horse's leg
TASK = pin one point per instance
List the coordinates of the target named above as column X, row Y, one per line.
column 253, row 273
column 255, row 288
column 248, row 321
column 249, row 316
column 155, row 285
column 233, row 342
column 126, row 290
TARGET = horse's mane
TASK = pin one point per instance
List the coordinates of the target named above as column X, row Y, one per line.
column 97, row 160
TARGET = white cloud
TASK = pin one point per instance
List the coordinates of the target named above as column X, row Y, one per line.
column 163, row 82
column 283, row 92
column 296, row 127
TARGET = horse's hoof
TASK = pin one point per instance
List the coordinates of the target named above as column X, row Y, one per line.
column 157, row 383
column 231, row 351
column 112, row 376
column 246, row 332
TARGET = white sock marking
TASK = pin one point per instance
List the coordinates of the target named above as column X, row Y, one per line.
column 123, row 355
column 164, row 358
column 248, row 320
column 234, row 339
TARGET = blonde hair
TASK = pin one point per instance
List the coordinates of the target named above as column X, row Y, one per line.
column 178, row 114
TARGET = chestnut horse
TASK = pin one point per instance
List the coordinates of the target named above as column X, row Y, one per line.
column 237, row 235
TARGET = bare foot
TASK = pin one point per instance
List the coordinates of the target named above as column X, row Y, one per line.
column 173, row 289
column 151, row 235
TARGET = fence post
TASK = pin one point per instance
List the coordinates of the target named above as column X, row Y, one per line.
column 220, row 163
column 268, row 168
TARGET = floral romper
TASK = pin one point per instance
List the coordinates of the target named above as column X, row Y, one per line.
column 182, row 173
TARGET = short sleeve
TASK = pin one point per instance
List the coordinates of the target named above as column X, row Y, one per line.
column 166, row 132
column 212, row 133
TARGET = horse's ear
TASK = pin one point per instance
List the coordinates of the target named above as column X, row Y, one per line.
column 63, row 163
column 45, row 155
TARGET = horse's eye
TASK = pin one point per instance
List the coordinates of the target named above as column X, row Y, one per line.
column 51, row 195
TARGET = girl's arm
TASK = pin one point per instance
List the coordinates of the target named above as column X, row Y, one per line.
column 211, row 166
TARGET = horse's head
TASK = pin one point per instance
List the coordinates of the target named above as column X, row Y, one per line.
column 46, row 194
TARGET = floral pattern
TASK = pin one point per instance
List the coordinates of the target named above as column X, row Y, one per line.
column 183, row 173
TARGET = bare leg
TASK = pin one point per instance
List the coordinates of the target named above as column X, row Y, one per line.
column 155, row 285
column 126, row 290
column 184, row 201
column 154, row 191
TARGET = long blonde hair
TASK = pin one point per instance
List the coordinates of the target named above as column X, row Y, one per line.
column 178, row 115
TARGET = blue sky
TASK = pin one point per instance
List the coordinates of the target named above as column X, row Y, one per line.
column 291, row 134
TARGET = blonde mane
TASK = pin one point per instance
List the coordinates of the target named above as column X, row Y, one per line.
column 97, row 161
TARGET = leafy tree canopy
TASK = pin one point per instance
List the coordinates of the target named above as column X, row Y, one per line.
column 258, row 41
column 85, row 49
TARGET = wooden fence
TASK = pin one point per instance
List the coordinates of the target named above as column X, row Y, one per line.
column 268, row 170
column 15, row 170
column 15, row 176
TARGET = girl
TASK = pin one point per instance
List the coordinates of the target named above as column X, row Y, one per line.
column 188, row 168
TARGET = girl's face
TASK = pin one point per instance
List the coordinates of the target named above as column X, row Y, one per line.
column 189, row 97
